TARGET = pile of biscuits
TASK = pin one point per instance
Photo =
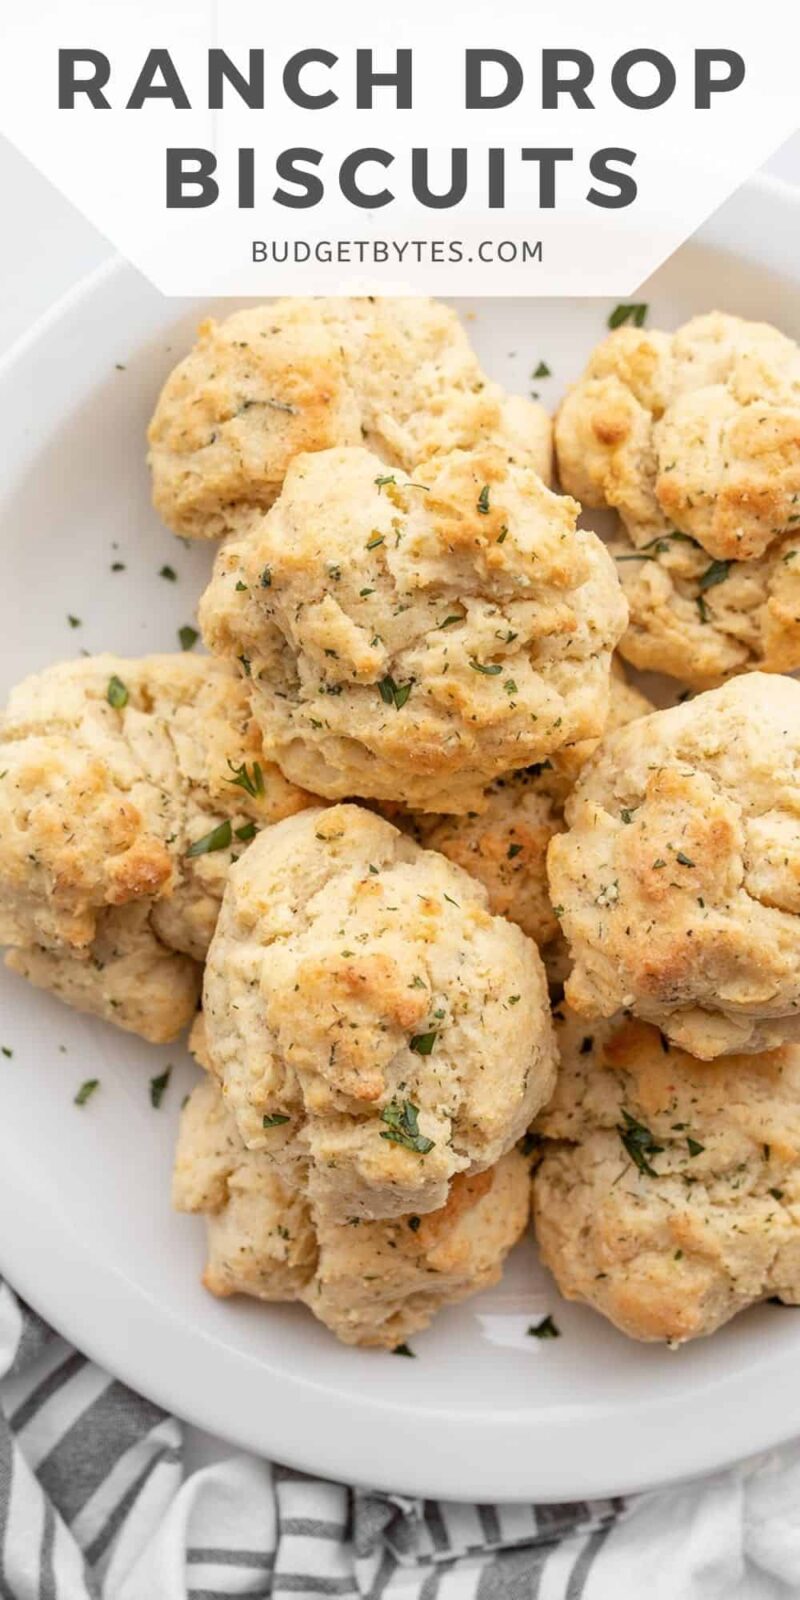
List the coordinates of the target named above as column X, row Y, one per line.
column 429, row 881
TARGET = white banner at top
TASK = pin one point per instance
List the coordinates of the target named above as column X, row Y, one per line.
column 230, row 147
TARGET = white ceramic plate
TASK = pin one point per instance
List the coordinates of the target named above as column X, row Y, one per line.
column 86, row 1231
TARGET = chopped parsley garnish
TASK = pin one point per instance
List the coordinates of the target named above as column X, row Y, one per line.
column 118, row 566
column 404, row 1350
column 546, row 1329
column 266, row 578
column 374, row 541
column 448, row 621
column 483, row 501
column 542, row 371
column 383, row 479
column 639, row 1143
column 403, row 1127
column 695, row 1148
column 252, row 783
column 116, row 693
column 275, row 1120
column 247, row 832
column 241, row 587
column 218, row 839
column 188, row 637
column 661, row 540
column 86, row 1089
column 514, row 850
column 394, row 694
column 75, row 622
column 158, row 1087
column 716, row 573
column 622, row 314
column 422, row 1043
column 490, row 669
column 169, row 573
column 4, row 1049
column 685, row 861
column 414, row 1224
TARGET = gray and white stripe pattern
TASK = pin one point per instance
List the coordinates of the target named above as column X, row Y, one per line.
column 94, row 1505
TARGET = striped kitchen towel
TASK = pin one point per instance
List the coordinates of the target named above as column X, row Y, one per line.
column 94, row 1505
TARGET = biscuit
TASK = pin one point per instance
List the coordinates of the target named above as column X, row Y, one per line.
column 111, row 771
column 127, row 976
column 300, row 375
column 694, row 438
column 365, row 1014
column 677, row 882
column 505, row 844
column 667, row 1194
column 697, row 431
column 414, row 639
column 371, row 1283
column 702, row 620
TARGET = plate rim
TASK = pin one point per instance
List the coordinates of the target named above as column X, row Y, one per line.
column 209, row 1383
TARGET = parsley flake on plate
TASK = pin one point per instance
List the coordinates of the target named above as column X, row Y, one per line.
column 158, row 1087
column 546, row 1329
column 623, row 314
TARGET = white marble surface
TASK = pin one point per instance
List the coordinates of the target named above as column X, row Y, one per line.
column 47, row 247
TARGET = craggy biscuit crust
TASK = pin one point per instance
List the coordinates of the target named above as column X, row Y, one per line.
column 678, row 881
column 99, row 805
column 371, row 1283
column 697, row 430
column 414, row 639
column 505, row 844
column 668, row 1191
column 127, row 976
column 365, row 1014
column 301, row 375
column 694, row 438
column 702, row 620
